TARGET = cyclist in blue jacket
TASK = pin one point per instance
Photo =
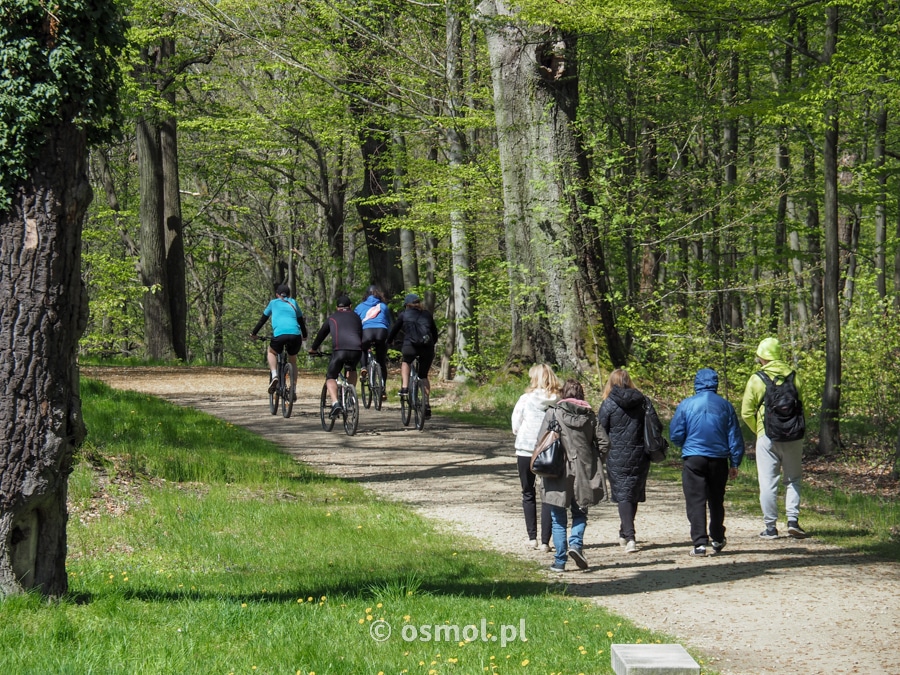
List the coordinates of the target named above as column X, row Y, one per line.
column 288, row 330
column 707, row 429
column 376, row 320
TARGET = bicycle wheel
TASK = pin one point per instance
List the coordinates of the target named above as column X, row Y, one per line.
column 418, row 402
column 406, row 407
column 290, row 389
column 377, row 385
column 351, row 410
column 365, row 386
column 325, row 410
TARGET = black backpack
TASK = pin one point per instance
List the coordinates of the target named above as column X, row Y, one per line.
column 418, row 330
column 783, row 417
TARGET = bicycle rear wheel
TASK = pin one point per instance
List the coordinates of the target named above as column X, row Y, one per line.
column 290, row 389
column 325, row 410
column 418, row 402
column 365, row 387
column 377, row 385
column 406, row 407
column 351, row 411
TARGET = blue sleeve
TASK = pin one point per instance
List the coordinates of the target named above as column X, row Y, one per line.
column 677, row 427
column 735, row 438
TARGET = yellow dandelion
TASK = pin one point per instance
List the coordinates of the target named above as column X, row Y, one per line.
column 310, row 599
column 406, row 617
column 369, row 617
column 379, row 605
column 300, row 600
column 323, row 598
column 243, row 604
column 452, row 660
column 525, row 662
column 462, row 643
column 638, row 641
column 609, row 633
column 368, row 610
column 362, row 621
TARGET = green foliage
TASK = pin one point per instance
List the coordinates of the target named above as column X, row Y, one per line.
column 58, row 66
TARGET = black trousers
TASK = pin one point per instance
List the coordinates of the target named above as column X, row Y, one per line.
column 529, row 504
column 703, row 480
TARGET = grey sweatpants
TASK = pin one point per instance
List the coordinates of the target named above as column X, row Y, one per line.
column 772, row 460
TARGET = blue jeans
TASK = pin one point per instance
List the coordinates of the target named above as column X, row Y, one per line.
column 576, row 536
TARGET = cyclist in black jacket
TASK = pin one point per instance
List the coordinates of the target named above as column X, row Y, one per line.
column 419, row 337
column 345, row 329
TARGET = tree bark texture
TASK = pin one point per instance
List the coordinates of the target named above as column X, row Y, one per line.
column 43, row 312
column 538, row 155
column 829, row 426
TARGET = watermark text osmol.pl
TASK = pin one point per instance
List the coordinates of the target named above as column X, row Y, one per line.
column 381, row 630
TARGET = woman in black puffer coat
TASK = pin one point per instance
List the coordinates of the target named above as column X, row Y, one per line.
column 622, row 416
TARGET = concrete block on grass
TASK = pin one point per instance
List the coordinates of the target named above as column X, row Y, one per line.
column 652, row 660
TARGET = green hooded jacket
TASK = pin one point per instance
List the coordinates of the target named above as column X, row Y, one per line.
column 755, row 391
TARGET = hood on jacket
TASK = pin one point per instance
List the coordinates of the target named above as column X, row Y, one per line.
column 769, row 349
column 626, row 397
column 706, row 379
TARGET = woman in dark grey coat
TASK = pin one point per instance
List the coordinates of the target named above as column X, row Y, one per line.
column 582, row 485
column 622, row 416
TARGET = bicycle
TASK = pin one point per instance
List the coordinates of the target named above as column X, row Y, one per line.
column 347, row 397
column 416, row 400
column 286, row 391
column 372, row 385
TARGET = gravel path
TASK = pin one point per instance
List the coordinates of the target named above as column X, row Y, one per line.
column 783, row 606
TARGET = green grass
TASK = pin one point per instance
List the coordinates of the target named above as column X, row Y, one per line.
column 197, row 547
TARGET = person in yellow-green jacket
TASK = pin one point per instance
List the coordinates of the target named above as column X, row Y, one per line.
column 779, row 427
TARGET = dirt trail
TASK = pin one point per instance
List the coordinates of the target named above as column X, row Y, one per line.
column 783, row 606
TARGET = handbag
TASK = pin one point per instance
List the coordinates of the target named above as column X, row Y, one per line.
column 549, row 457
column 655, row 444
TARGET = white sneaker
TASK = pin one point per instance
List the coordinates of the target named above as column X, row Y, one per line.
column 630, row 547
column 622, row 541
column 544, row 548
column 531, row 544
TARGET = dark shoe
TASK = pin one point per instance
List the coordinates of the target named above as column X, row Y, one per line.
column 699, row 551
column 427, row 412
column 795, row 530
column 578, row 556
column 557, row 568
column 335, row 409
column 717, row 546
column 294, row 397
column 273, row 385
column 404, row 392
column 769, row 533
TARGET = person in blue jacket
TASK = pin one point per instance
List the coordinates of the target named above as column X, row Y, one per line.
column 376, row 320
column 706, row 428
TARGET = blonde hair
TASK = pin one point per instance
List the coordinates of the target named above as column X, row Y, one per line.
column 543, row 377
column 618, row 378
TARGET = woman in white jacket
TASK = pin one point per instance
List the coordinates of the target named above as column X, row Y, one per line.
column 526, row 420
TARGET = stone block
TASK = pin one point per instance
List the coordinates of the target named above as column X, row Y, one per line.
column 670, row 659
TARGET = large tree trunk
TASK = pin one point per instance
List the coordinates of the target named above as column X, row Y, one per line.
column 459, row 242
column 535, row 97
column 157, row 321
column 43, row 311
column 829, row 428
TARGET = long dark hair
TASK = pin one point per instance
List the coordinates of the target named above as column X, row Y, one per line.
column 375, row 292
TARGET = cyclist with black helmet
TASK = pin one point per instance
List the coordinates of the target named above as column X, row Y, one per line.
column 288, row 330
column 376, row 320
column 419, row 337
column 345, row 329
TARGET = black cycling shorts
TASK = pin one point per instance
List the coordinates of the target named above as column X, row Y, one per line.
column 425, row 354
column 340, row 358
column 291, row 342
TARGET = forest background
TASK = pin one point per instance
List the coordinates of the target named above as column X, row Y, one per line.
column 651, row 184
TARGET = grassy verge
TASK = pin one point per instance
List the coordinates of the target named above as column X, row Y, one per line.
column 196, row 547
column 860, row 522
